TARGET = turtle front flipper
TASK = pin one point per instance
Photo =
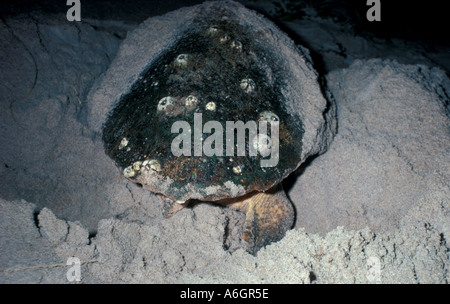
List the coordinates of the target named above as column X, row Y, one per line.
column 268, row 216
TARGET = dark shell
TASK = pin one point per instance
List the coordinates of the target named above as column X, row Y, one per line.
column 217, row 53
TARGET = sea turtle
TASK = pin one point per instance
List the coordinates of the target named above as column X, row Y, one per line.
column 215, row 117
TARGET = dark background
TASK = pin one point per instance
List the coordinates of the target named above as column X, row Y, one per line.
column 421, row 21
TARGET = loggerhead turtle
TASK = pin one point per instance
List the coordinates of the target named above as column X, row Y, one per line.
column 224, row 71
